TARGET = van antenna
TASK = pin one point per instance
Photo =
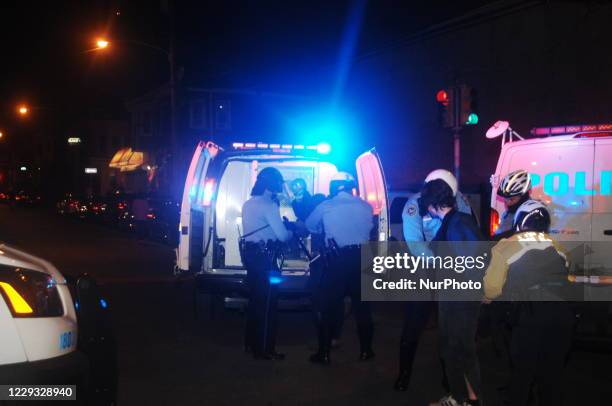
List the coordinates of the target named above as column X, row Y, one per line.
column 502, row 128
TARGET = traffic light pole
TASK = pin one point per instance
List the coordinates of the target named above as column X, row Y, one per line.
column 457, row 131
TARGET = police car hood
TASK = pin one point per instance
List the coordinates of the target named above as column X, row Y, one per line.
column 12, row 256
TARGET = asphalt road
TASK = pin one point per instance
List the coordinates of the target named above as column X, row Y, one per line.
column 167, row 357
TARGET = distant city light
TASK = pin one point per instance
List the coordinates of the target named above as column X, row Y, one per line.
column 23, row 169
column 91, row 170
column 74, row 140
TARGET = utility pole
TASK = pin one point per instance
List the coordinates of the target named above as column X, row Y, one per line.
column 174, row 147
column 457, row 132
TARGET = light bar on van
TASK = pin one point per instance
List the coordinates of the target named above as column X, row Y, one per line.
column 322, row 148
column 570, row 129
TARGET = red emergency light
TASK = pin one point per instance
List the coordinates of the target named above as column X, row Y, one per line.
column 572, row 129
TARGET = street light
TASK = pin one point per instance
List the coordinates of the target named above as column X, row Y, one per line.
column 23, row 110
column 102, row 43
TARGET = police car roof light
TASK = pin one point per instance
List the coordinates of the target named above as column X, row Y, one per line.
column 571, row 129
column 321, row 148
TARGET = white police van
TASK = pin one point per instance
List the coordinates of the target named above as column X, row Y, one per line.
column 571, row 171
column 219, row 181
column 38, row 322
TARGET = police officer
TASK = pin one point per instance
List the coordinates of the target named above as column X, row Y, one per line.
column 346, row 222
column 418, row 231
column 263, row 231
column 303, row 204
column 530, row 271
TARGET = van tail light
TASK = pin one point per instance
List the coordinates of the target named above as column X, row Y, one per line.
column 493, row 222
column 208, row 193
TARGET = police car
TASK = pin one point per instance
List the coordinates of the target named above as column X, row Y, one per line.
column 571, row 171
column 38, row 322
column 219, row 181
column 40, row 343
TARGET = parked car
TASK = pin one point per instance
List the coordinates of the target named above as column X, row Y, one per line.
column 53, row 332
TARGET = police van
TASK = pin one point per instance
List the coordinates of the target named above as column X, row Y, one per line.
column 218, row 183
column 571, row 171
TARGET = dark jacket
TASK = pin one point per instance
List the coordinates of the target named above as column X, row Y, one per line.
column 458, row 226
column 459, row 236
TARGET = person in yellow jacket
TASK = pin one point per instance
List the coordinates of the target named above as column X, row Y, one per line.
column 530, row 270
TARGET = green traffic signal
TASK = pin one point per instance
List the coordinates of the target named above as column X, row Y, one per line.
column 472, row 119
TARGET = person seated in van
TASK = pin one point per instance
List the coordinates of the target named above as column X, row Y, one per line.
column 346, row 221
column 530, row 270
column 457, row 319
column 263, row 230
column 515, row 189
column 303, row 202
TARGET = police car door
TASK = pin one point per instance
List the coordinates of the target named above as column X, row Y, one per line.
column 373, row 189
column 191, row 235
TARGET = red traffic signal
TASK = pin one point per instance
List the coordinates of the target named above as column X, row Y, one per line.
column 443, row 97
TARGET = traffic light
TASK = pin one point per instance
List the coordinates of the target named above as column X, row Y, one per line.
column 468, row 114
column 446, row 107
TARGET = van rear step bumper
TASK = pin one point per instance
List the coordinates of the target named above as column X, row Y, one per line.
column 236, row 284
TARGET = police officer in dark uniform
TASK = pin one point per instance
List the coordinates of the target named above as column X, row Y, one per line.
column 264, row 231
column 346, row 221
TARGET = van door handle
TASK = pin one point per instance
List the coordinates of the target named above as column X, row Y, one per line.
column 607, row 232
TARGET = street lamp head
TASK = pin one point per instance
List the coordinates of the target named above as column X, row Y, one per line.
column 23, row 110
column 102, row 43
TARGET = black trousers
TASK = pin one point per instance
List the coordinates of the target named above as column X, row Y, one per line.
column 416, row 316
column 260, row 334
column 316, row 278
column 342, row 276
column 457, row 324
column 540, row 343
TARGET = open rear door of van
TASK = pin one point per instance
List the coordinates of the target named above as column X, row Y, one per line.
column 373, row 189
column 203, row 154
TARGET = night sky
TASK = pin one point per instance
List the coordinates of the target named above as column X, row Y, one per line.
column 263, row 44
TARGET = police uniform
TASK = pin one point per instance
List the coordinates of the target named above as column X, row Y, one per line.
column 346, row 222
column 418, row 231
column 263, row 229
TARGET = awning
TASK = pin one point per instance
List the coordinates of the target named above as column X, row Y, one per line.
column 127, row 160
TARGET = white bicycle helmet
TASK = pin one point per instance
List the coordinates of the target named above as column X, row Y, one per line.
column 516, row 183
column 532, row 215
column 446, row 176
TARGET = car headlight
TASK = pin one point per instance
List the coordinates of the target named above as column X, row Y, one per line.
column 30, row 293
